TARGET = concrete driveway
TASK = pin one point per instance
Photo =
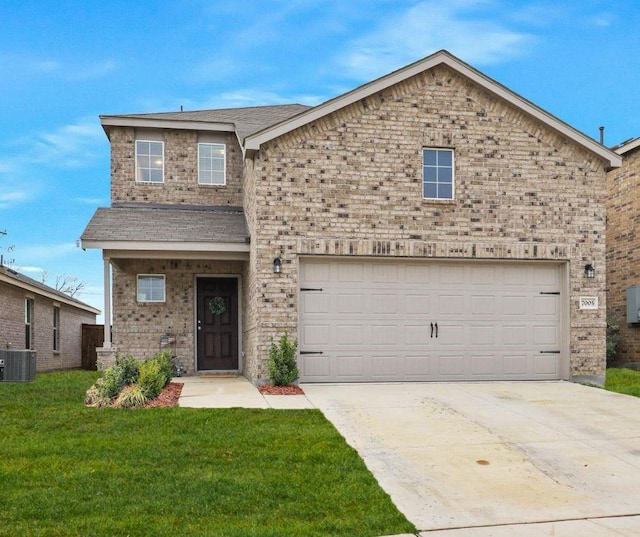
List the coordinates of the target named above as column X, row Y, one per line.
column 492, row 454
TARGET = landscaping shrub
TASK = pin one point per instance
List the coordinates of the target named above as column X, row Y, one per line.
column 282, row 366
column 166, row 365
column 95, row 398
column 151, row 379
column 131, row 397
column 613, row 338
column 130, row 368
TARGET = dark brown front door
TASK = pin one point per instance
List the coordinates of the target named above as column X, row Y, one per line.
column 217, row 324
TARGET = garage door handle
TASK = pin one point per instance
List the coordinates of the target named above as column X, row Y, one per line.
column 549, row 352
column 436, row 329
column 310, row 352
column 431, row 329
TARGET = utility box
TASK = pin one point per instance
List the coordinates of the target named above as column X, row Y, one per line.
column 17, row 366
column 633, row 304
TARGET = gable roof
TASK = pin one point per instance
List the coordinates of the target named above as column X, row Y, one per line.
column 242, row 121
column 255, row 140
column 126, row 226
column 13, row 277
column 627, row 145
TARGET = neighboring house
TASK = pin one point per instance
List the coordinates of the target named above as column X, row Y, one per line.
column 37, row 317
column 428, row 225
column 623, row 248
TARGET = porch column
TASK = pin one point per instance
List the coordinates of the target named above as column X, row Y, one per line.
column 107, row 303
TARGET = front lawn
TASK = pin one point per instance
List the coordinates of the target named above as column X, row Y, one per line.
column 70, row 470
column 625, row 381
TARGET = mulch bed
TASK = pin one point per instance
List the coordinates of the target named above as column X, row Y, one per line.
column 168, row 396
column 270, row 389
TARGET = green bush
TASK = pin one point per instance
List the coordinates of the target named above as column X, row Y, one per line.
column 130, row 368
column 131, row 397
column 613, row 338
column 151, row 379
column 282, row 366
column 166, row 366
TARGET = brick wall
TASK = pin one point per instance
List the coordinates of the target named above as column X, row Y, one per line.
column 138, row 327
column 350, row 184
column 12, row 328
column 180, row 171
column 623, row 248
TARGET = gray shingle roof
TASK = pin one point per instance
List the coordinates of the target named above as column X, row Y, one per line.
column 167, row 223
column 21, row 278
column 246, row 120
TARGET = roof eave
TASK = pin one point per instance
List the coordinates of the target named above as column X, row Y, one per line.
column 629, row 146
column 154, row 123
column 254, row 141
column 48, row 294
column 167, row 246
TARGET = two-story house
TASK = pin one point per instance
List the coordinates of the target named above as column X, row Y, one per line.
column 428, row 225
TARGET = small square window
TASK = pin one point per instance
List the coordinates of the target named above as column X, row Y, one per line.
column 151, row 288
column 211, row 164
column 149, row 161
column 437, row 174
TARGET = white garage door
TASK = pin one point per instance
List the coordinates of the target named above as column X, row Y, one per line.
column 367, row 320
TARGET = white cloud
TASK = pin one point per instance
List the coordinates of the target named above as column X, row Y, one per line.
column 427, row 27
column 93, row 201
column 69, row 146
column 47, row 252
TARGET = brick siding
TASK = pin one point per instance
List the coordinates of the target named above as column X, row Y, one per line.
column 12, row 328
column 623, row 249
column 180, row 171
column 350, row 184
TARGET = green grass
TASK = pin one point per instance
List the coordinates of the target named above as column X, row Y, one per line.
column 625, row 381
column 69, row 470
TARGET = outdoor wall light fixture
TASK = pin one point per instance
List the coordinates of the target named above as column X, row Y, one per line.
column 589, row 271
column 277, row 265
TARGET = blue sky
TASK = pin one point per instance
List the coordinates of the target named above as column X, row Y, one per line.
column 63, row 63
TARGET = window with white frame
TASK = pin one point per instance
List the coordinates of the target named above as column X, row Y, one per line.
column 149, row 161
column 211, row 164
column 56, row 328
column 151, row 288
column 437, row 174
column 28, row 323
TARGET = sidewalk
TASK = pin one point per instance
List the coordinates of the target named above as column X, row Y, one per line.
column 229, row 392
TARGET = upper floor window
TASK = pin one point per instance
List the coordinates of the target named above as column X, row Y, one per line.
column 211, row 164
column 151, row 288
column 149, row 161
column 28, row 323
column 56, row 328
column 437, row 174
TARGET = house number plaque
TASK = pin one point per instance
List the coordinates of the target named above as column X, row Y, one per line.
column 588, row 302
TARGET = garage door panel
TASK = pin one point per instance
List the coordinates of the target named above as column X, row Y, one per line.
column 350, row 334
column 315, row 303
column 513, row 306
column 350, row 366
column 385, row 367
column 417, row 366
column 350, row 303
column 385, row 304
column 546, row 306
column 416, row 334
column 314, row 335
column 372, row 320
column 386, row 334
column 417, row 303
column 350, row 272
column 451, row 304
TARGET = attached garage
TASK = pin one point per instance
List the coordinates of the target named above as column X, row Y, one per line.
column 367, row 320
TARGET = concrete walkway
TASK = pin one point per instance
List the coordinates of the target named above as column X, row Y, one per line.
column 229, row 392
column 479, row 459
